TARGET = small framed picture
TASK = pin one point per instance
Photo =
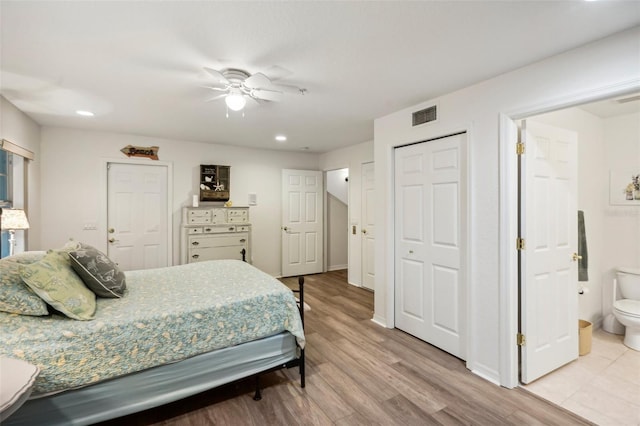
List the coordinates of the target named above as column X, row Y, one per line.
column 624, row 187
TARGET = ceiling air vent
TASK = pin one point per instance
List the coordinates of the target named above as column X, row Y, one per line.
column 424, row 116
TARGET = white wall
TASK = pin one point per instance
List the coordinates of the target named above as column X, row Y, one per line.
column 337, row 234
column 17, row 127
column 352, row 158
column 70, row 185
column 593, row 178
column 338, row 184
column 622, row 223
column 605, row 66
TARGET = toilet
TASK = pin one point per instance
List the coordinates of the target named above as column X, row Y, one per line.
column 627, row 308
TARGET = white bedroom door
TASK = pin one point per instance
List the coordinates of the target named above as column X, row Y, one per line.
column 368, row 226
column 431, row 242
column 549, row 269
column 137, row 210
column 302, row 222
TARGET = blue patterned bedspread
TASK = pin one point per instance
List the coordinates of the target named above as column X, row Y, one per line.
column 167, row 315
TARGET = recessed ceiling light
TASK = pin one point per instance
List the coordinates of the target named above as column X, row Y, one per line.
column 85, row 113
column 281, row 138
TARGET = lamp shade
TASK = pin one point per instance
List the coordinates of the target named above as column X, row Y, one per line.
column 235, row 101
column 13, row 219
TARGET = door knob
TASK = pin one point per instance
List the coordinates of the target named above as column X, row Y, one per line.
column 111, row 230
column 285, row 229
column 364, row 231
column 576, row 257
column 112, row 240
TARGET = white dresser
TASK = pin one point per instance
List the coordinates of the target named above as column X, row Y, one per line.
column 209, row 233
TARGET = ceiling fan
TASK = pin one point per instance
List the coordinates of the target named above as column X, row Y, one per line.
column 238, row 86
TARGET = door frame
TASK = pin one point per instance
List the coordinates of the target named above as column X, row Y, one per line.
column 325, row 218
column 103, row 200
column 508, row 213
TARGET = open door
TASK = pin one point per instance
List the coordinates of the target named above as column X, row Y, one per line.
column 548, row 271
column 302, row 222
column 368, row 226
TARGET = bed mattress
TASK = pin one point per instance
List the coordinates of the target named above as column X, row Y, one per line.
column 167, row 315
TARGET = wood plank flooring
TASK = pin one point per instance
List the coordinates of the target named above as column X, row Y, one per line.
column 359, row 373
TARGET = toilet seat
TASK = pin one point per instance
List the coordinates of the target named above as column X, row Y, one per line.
column 628, row 307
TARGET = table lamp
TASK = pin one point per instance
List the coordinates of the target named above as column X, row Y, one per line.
column 12, row 221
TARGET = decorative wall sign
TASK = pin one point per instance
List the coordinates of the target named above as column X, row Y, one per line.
column 214, row 182
column 624, row 188
column 141, row 151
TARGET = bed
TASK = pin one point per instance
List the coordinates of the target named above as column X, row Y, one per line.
column 177, row 331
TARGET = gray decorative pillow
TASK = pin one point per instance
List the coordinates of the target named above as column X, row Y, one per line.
column 98, row 272
column 15, row 296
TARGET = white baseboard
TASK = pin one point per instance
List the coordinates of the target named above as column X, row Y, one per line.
column 380, row 321
column 336, row 267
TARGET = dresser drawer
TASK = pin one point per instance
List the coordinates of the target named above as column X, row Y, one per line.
column 197, row 217
column 215, row 253
column 219, row 229
column 204, row 241
column 238, row 216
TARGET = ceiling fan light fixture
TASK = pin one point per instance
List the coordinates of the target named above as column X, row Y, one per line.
column 235, row 101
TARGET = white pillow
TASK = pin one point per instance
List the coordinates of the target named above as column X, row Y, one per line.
column 16, row 384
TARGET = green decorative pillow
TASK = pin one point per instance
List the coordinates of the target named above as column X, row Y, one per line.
column 15, row 296
column 57, row 284
column 26, row 257
column 70, row 245
column 98, row 272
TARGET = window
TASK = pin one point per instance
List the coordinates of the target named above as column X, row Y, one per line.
column 6, row 189
column 14, row 161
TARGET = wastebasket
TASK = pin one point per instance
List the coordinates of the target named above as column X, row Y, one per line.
column 585, row 329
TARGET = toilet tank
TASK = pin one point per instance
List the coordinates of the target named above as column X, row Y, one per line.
column 628, row 283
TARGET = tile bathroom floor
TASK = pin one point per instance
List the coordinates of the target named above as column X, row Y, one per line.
column 602, row 386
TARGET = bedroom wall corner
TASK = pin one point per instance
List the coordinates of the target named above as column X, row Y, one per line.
column 19, row 128
column 70, row 158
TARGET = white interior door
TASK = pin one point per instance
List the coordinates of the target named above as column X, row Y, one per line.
column 431, row 242
column 137, row 200
column 302, row 222
column 549, row 272
column 368, row 226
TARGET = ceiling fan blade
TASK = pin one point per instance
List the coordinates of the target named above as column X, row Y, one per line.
column 217, row 75
column 267, row 95
column 216, row 97
column 219, row 89
column 258, row 81
column 289, row 89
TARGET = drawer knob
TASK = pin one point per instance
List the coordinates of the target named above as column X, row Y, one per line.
column 195, row 243
column 243, row 240
column 195, row 256
column 231, row 228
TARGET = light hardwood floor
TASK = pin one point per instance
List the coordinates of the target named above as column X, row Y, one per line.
column 360, row 374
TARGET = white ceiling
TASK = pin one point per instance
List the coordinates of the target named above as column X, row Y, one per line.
column 138, row 65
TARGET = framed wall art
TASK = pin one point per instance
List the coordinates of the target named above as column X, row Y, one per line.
column 624, row 187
